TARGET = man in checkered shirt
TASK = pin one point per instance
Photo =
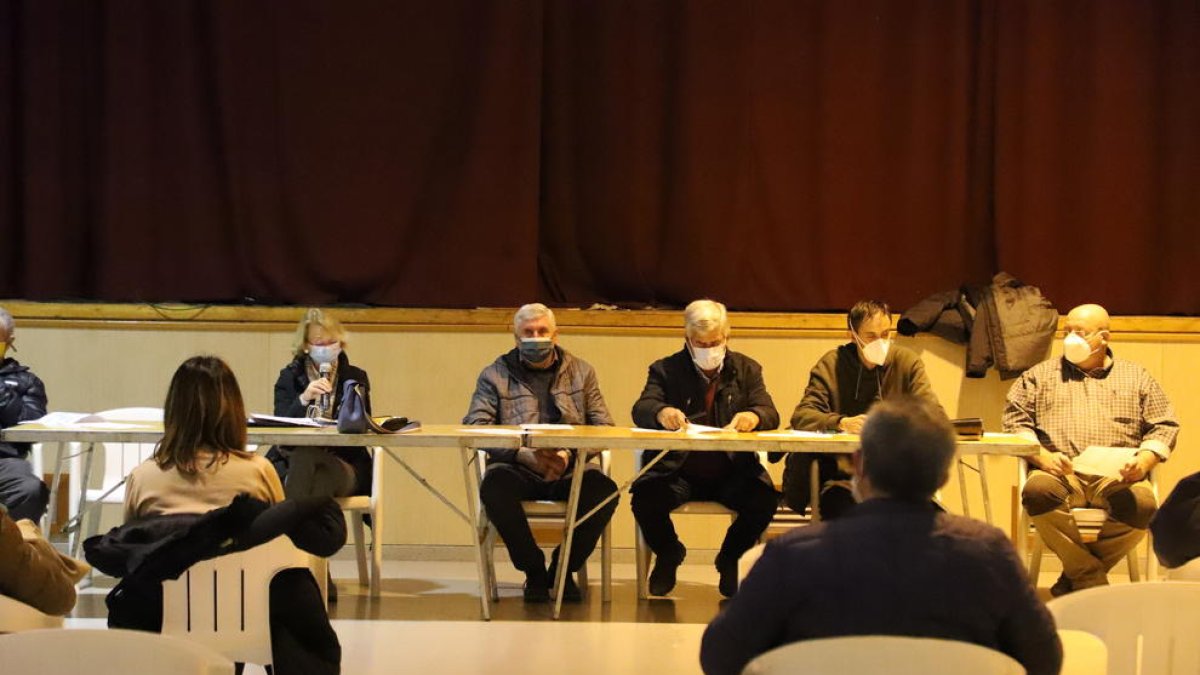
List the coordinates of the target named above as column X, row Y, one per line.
column 1089, row 398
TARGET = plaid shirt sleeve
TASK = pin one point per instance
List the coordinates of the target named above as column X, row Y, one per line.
column 1020, row 408
column 1160, row 428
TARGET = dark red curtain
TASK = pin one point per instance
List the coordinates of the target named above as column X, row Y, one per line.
column 777, row 155
column 271, row 151
column 1098, row 151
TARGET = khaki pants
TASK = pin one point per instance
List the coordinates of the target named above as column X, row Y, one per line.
column 1049, row 500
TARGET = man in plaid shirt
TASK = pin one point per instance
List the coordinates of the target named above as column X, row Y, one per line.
column 1089, row 398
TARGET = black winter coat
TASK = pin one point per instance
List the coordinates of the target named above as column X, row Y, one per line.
column 22, row 398
column 293, row 380
column 675, row 382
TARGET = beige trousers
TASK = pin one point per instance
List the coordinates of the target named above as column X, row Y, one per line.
column 1049, row 500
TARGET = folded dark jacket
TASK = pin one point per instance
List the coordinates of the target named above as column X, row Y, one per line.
column 146, row 552
column 160, row 548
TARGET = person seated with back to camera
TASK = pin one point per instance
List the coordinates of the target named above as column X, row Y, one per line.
column 895, row 564
column 201, row 468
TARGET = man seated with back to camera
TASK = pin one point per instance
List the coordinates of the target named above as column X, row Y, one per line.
column 895, row 564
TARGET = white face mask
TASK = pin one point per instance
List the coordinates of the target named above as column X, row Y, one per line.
column 876, row 352
column 1076, row 348
column 709, row 358
column 324, row 353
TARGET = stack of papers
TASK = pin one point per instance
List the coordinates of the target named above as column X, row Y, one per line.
column 1098, row 460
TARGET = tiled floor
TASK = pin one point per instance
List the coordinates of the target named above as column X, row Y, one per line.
column 427, row 621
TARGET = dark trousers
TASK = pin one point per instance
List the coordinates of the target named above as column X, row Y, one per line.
column 655, row 496
column 24, row 494
column 835, row 498
column 302, row 641
column 505, row 486
column 323, row 482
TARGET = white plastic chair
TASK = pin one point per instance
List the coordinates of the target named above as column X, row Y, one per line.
column 544, row 516
column 1149, row 628
column 120, row 459
column 1083, row 653
column 874, row 654
column 1089, row 521
column 1189, row 571
column 106, row 652
column 16, row 616
column 359, row 507
column 224, row 603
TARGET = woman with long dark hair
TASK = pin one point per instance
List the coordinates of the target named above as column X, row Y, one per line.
column 201, row 463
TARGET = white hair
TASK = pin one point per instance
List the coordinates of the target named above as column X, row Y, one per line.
column 6, row 322
column 534, row 310
column 705, row 317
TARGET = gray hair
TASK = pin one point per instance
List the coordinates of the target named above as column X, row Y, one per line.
column 908, row 445
column 704, row 317
column 534, row 310
column 6, row 322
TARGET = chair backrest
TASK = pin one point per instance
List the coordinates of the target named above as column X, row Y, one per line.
column 120, row 459
column 1189, row 571
column 224, row 603
column 883, row 654
column 16, row 616
column 106, row 652
column 1083, row 653
column 1148, row 627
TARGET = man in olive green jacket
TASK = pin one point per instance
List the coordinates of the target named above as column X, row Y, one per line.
column 843, row 385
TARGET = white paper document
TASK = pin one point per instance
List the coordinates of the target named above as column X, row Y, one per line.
column 1098, row 460
column 58, row 419
column 277, row 421
column 481, row 429
column 793, row 433
column 696, row 429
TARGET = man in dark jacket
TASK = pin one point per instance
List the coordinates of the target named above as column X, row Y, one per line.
column 22, row 398
column 707, row 384
column 843, row 385
column 894, row 565
column 540, row 382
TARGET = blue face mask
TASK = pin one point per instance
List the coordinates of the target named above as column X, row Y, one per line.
column 324, row 353
column 536, row 349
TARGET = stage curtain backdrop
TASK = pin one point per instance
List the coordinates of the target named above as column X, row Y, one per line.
column 776, row 155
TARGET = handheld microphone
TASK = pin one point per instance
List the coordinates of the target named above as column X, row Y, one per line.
column 324, row 369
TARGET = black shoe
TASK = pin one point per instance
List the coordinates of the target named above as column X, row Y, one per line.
column 662, row 577
column 537, row 588
column 728, row 569
column 1061, row 587
column 571, row 592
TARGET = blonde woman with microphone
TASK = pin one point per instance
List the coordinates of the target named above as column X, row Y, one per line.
column 311, row 386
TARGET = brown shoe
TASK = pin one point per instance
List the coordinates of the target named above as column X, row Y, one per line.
column 1061, row 587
